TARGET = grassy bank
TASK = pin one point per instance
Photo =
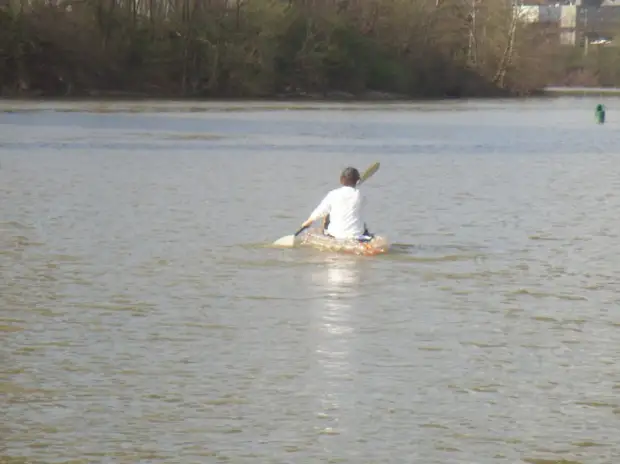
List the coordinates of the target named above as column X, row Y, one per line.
column 312, row 49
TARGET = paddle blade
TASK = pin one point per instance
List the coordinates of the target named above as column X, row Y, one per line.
column 369, row 172
column 287, row 241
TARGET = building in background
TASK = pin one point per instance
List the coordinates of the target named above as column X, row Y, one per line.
column 581, row 22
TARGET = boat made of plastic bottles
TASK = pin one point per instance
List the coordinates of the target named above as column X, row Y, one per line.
column 368, row 246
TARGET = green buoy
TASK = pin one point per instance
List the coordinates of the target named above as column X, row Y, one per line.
column 600, row 114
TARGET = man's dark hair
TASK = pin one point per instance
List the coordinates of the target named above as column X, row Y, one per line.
column 350, row 176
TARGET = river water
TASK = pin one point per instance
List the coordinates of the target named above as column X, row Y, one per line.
column 144, row 318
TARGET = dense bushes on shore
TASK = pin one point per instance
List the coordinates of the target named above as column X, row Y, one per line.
column 596, row 66
column 267, row 48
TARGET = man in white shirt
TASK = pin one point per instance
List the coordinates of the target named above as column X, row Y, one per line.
column 342, row 209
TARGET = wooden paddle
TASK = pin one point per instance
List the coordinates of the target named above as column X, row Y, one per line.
column 289, row 240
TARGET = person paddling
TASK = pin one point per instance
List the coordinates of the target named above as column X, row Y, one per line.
column 342, row 210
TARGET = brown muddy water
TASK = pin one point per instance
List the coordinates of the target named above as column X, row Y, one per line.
column 143, row 319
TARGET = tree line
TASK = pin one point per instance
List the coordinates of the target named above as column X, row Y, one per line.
column 267, row 48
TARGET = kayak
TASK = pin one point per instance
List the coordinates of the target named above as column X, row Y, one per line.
column 316, row 239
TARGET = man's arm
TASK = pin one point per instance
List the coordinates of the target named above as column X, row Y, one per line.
column 320, row 211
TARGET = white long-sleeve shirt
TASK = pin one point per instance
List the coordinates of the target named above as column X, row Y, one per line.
column 344, row 206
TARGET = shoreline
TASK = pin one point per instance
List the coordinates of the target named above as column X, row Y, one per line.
column 582, row 91
column 293, row 97
column 304, row 99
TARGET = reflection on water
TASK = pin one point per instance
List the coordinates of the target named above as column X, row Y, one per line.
column 338, row 280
